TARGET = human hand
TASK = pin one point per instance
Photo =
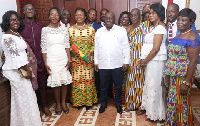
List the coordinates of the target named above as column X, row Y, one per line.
column 3, row 58
column 74, row 53
column 48, row 69
column 184, row 89
column 29, row 72
column 68, row 65
column 96, row 68
column 125, row 67
column 141, row 64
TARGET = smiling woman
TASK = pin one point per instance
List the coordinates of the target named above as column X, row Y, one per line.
column 56, row 55
column 24, row 108
column 83, row 86
column 183, row 53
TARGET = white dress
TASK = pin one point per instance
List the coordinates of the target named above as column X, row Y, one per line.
column 152, row 97
column 24, row 107
column 53, row 43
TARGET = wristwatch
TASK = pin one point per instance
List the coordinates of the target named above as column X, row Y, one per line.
column 186, row 83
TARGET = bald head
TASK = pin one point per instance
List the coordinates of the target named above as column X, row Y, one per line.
column 135, row 16
column 109, row 20
column 136, row 10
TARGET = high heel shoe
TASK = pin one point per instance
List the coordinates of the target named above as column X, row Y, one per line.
column 79, row 107
column 88, row 107
column 65, row 110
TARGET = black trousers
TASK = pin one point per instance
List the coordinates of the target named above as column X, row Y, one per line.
column 117, row 75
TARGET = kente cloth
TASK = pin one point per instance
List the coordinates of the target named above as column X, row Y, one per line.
column 179, row 109
column 83, row 85
column 134, row 78
column 33, row 64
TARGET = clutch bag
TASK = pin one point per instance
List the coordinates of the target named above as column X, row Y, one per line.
column 24, row 73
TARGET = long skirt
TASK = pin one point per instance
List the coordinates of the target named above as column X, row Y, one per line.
column 179, row 109
column 152, row 97
column 83, row 85
column 24, row 107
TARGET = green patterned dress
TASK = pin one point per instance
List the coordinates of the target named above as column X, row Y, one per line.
column 83, row 85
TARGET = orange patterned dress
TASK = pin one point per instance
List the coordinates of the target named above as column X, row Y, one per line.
column 83, row 85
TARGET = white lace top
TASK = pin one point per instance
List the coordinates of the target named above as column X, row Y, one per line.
column 14, row 49
column 148, row 43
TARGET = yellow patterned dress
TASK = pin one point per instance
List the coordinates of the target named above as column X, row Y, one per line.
column 83, row 85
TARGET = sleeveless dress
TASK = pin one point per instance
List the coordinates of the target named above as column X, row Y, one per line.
column 53, row 43
column 179, row 109
column 152, row 98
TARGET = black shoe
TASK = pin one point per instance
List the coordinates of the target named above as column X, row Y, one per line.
column 102, row 108
column 79, row 107
column 88, row 107
column 119, row 109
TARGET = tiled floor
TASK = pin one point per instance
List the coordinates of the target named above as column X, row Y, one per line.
column 110, row 117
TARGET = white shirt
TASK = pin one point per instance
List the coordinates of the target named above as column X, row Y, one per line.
column 102, row 23
column 174, row 29
column 112, row 49
column 68, row 24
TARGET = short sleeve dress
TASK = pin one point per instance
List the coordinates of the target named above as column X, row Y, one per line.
column 53, row 43
column 152, row 100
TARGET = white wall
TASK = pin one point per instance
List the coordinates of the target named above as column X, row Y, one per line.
column 181, row 3
column 194, row 5
column 5, row 6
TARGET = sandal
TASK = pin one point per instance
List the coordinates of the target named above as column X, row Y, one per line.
column 140, row 112
column 65, row 110
column 58, row 112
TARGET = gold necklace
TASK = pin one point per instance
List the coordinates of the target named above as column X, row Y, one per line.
column 16, row 33
column 186, row 32
column 80, row 25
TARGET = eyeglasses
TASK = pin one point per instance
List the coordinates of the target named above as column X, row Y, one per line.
column 29, row 9
column 108, row 18
column 14, row 20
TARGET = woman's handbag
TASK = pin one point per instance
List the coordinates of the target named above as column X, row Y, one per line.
column 24, row 73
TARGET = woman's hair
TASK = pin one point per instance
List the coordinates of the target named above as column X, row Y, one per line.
column 120, row 16
column 143, row 15
column 159, row 9
column 58, row 10
column 186, row 12
column 5, row 25
column 81, row 9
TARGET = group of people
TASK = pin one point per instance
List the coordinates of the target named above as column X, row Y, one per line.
column 142, row 56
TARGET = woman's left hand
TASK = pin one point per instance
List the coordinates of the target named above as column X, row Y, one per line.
column 68, row 65
column 184, row 89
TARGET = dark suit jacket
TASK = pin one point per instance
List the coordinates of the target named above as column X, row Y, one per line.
column 96, row 26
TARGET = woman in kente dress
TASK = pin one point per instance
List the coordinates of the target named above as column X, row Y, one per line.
column 83, row 86
column 181, row 69
column 134, row 80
